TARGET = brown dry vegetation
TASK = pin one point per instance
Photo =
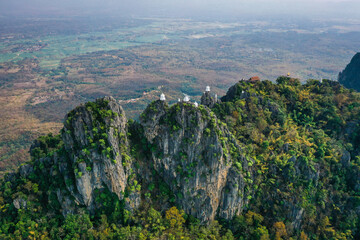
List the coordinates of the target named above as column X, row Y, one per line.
column 18, row 128
column 34, row 101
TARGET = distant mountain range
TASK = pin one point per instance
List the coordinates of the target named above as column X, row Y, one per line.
column 350, row 76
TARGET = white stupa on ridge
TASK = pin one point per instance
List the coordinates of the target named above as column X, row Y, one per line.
column 207, row 89
column 196, row 104
column 186, row 98
column 162, row 97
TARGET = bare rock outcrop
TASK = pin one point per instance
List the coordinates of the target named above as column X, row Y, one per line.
column 95, row 137
column 191, row 150
column 208, row 100
column 195, row 155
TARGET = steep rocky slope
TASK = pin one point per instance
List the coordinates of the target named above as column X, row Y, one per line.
column 194, row 153
column 196, row 156
column 93, row 158
column 95, row 138
column 267, row 161
column 350, row 76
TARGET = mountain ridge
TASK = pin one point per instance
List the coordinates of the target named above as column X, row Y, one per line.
column 268, row 160
column 350, row 76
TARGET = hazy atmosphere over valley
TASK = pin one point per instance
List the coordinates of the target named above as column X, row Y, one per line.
column 195, row 9
column 270, row 152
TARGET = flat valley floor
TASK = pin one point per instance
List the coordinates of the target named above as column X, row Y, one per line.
column 47, row 67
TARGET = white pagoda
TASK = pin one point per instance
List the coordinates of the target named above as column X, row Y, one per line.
column 162, row 97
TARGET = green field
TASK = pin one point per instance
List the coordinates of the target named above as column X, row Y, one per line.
column 62, row 46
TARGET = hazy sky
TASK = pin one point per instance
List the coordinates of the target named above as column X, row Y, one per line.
column 184, row 8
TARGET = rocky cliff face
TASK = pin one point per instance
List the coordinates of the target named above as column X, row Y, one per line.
column 208, row 100
column 192, row 151
column 95, row 137
column 95, row 156
column 195, row 154
column 304, row 176
column 350, row 76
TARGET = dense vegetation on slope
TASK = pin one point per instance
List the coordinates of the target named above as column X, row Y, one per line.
column 350, row 77
column 302, row 139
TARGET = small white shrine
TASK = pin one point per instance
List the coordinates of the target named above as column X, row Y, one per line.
column 162, row 97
